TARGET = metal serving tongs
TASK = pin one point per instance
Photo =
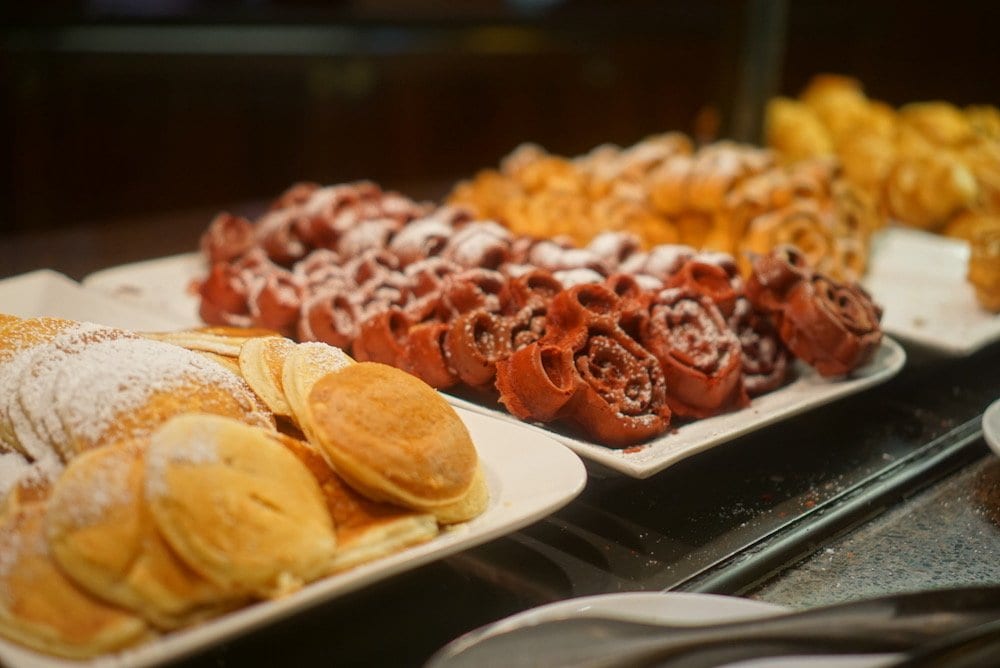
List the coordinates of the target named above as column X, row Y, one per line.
column 904, row 625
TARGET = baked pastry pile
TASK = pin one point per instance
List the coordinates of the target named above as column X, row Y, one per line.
column 608, row 337
column 724, row 196
column 929, row 165
column 147, row 486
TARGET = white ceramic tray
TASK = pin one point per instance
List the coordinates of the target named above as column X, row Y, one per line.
column 49, row 293
column 806, row 392
column 529, row 476
column 160, row 285
column 686, row 609
column 920, row 281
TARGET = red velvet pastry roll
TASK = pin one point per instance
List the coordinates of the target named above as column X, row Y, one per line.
column 424, row 356
column 536, row 382
column 774, row 276
column 426, row 276
column 765, row 357
column 832, row 326
column 621, row 397
column 710, row 279
column 534, row 287
column 372, row 264
column 332, row 316
column 583, row 306
column 527, row 325
column 224, row 291
column 279, row 234
column 614, row 247
column 700, row 356
column 296, row 195
column 420, row 240
column 472, row 289
column 476, row 340
column 274, row 301
column 320, row 270
column 482, row 244
column 227, row 238
column 634, row 302
column 382, row 337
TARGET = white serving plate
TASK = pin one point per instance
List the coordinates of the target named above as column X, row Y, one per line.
column 159, row 285
column 685, row 609
column 920, row 281
column 529, row 476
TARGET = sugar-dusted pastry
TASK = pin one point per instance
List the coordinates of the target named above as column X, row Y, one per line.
column 236, row 506
column 803, row 224
column 365, row 529
column 394, row 439
column 839, row 102
column 942, row 123
column 795, row 130
column 982, row 157
column 926, row 188
column 984, row 264
column 42, row 608
column 102, row 534
column 985, row 121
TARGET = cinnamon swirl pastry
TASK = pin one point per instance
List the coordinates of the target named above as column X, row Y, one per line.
column 830, row 325
column 700, row 355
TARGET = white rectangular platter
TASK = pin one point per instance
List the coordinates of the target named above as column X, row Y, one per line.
column 160, row 284
column 528, row 473
column 920, row 281
column 809, row 390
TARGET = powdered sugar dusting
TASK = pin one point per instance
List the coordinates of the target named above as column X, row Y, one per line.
column 323, row 356
column 13, row 468
column 37, row 383
column 87, row 496
column 198, row 446
column 109, row 378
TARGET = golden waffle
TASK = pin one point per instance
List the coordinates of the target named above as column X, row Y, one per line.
column 261, row 362
column 41, row 608
column 304, row 365
column 394, row 439
column 236, row 506
column 103, row 536
column 366, row 529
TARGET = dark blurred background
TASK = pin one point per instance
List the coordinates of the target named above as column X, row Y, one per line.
column 113, row 109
